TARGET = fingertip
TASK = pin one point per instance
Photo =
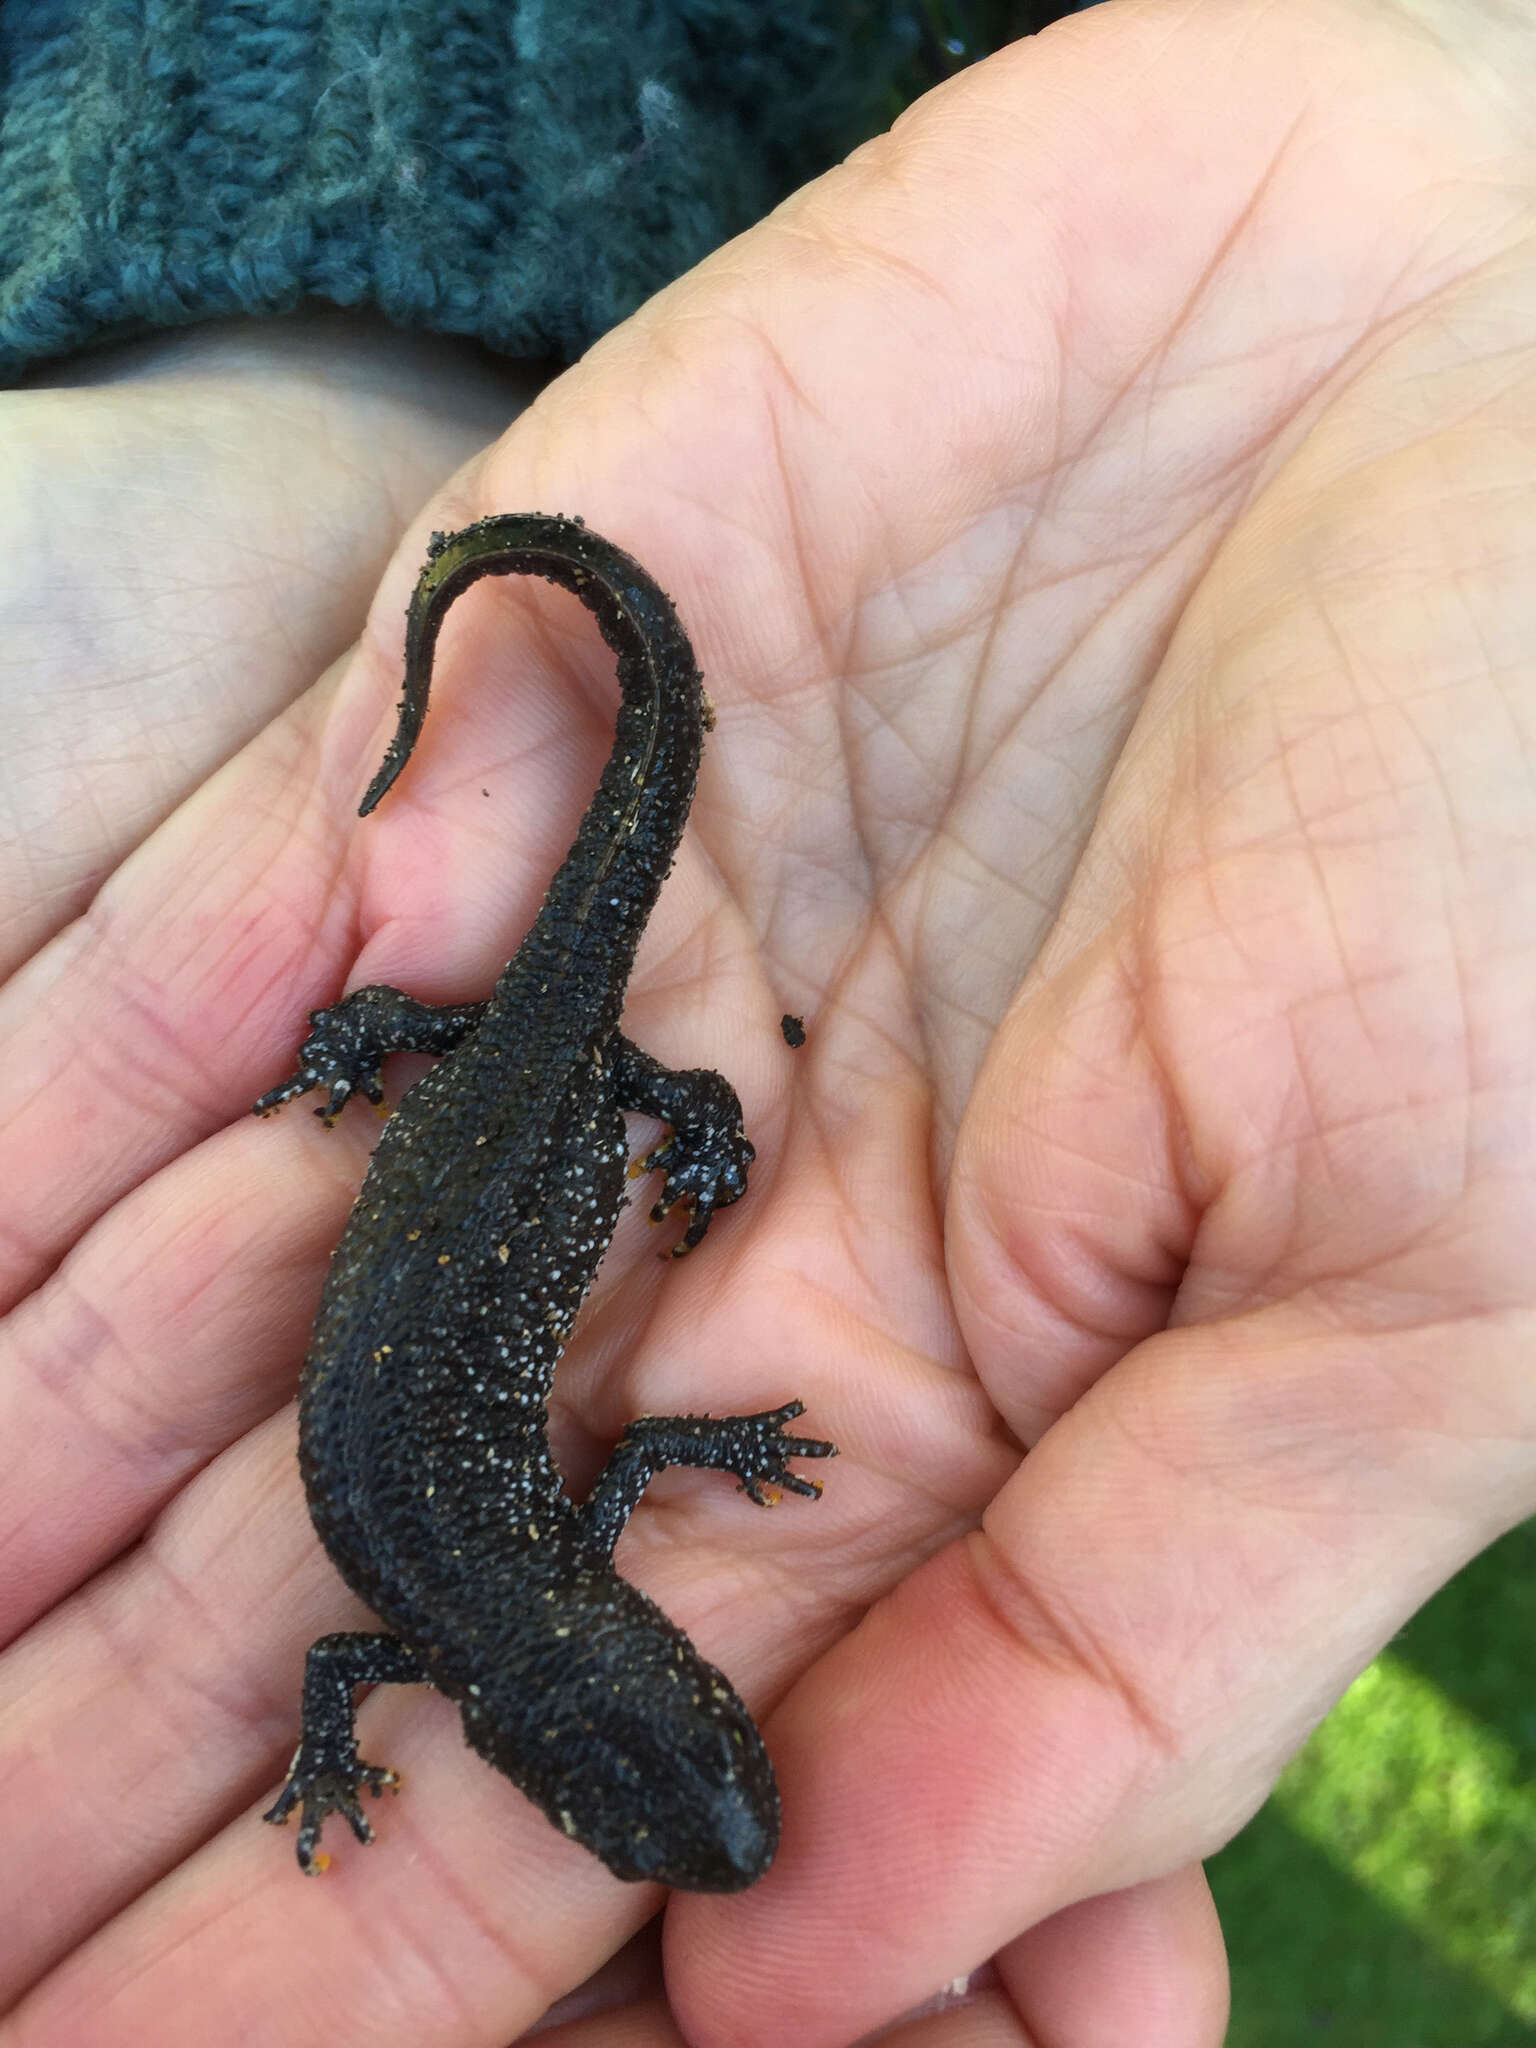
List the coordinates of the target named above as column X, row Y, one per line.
column 1144, row 1964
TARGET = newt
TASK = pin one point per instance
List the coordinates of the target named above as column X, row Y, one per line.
column 490, row 1198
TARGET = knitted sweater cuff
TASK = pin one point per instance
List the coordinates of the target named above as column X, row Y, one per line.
column 519, row 170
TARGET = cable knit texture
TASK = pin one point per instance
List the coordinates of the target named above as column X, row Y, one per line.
column 522, row 170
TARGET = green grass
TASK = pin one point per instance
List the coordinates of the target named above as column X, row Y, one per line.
column 1386, row 1895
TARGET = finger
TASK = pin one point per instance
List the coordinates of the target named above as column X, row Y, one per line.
column 146, row 1710
column 170, row 1329
column 201, row 522
column 983, row 2017
column 138, row 1030
column 640, row 2026
column 622, row 2005
column 1146, row 1964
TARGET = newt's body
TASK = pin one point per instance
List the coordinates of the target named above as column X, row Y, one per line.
column 489, row 1202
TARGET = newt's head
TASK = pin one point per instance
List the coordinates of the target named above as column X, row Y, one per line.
column 608, row 1718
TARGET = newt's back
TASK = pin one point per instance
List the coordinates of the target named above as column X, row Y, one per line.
column 488, row 1204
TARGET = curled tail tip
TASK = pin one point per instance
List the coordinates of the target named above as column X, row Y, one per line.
column 381, row 784
column 396, row 754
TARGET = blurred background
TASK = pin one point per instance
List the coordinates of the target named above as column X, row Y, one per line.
column 1386, row 1895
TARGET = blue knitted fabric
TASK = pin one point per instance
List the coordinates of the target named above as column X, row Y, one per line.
column 522, row 170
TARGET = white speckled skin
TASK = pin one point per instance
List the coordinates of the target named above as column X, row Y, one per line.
column 490, row 1200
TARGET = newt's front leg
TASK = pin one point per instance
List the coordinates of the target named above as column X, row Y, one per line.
column 707, row 1153
column 327, row 1774
column 754, row 1447
column 348, row 1043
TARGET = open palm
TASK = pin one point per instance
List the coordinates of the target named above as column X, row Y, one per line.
column 1103, row 517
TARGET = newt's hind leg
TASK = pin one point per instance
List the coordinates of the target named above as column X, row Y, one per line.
column 326, row 1773
column 754, row 1447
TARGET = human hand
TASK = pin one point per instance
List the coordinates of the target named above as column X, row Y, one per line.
column 193, row 525
column 1101, row 542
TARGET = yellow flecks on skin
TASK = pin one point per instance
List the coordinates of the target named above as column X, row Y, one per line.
column 533, row 1532
column 320, row 1863
column 562, row 1631
column 431, row 1490
column 482, row 1141
column 503, row 1252
column 411, row 1236
column 1429, row 1813
column 444, row 1258
column 567, row 1823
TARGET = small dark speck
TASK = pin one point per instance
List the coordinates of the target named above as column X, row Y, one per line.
column 793, row 1029
column 485, row 792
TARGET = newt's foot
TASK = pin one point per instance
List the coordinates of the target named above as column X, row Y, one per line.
column 329, row 1785
column 759, row 1450
column 705, row 1162
column 342, row 1054
column 754, row 1447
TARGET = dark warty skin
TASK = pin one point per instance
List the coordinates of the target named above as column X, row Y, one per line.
column 488, row 1203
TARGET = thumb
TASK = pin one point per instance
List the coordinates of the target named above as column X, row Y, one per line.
column 1100, row 1685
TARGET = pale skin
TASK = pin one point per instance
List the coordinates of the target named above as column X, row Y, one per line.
column 1105, row 514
